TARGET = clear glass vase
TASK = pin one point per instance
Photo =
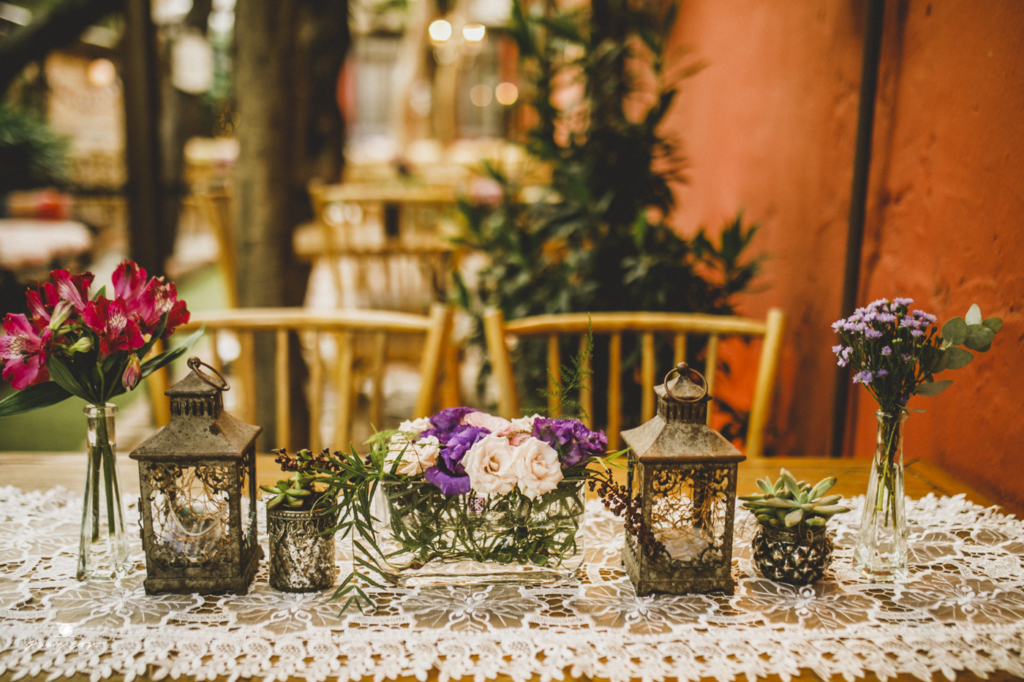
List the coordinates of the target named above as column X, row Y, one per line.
column 427, row 538
column 103, row 550
column 881, row 553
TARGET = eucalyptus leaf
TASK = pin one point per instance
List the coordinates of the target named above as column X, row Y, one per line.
column 33, row 398
column 955, row 331
column 932, row 388
column 955, row 358
column 979, row 338
column 973, row 315
column 994, row 323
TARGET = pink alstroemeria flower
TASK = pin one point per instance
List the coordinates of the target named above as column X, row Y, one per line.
column 147, row 300
column 74, row 288
column 24, row 351
column 112, row 324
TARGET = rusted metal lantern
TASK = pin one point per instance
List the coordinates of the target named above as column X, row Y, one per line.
column 684, row 474
column 198, row 481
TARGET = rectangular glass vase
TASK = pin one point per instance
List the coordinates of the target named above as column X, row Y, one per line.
column 428, row 538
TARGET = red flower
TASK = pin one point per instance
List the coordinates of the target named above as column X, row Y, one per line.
column 113, row 325
column 147, row 300
column 24, row 352
column 73, row 288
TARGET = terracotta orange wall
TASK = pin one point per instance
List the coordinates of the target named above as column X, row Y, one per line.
column 769, row 127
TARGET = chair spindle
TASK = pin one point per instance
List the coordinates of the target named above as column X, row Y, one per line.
column 316, row 387
column 554, row 374
column 614, row 390
column 647, row 362
column 282, row 385
column 587, row 392
column 710, row 368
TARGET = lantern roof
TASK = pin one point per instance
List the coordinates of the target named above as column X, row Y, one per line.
column 678, row 433
column 223, row 437
column 199, row 426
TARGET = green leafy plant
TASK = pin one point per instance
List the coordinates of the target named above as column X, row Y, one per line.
column 595, row 238
column 31, row 154
column 309, row 484
column 794, row 505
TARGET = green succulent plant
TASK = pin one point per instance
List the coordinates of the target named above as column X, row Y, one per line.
column 290, row 492
column 789, row 503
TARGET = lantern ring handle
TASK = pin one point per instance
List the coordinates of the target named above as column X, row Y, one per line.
column 683, row 369
column 194, row 363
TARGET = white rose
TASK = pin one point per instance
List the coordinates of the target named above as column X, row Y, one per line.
column 415, row 457
column 537, row 467
column 416, row 426
column 490, row 464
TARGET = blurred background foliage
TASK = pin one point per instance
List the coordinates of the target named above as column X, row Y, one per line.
column 594, row 238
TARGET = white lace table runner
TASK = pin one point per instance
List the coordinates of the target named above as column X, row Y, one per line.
column 962, row 609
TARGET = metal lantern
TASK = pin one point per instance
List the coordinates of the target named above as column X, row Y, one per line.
column 684, row 475
column 198, row 481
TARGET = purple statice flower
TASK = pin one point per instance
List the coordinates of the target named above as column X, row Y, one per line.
column 837, row 349
column 886, row 317
column 902, row 301
column 886, row 350
column 881, row 372
column 573, row 441
column 906, row 357
column 925, row 316
column 879, row 303
column 916, row 332
column 872, row 334
column 864, row 377
column 838, row 324
column 448, row 419
column 448, row 474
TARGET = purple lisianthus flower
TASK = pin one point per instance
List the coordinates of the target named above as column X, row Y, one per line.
column 864, row 377
column 873, row 334
column 448, row 419
column 886, row 350
column 448, row 474
column 573, row 441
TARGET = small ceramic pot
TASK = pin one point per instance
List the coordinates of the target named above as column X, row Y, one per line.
column 301, row 555
column 793, row 557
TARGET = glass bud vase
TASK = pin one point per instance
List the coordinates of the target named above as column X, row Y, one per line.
column 881, row 553
column 103, row 550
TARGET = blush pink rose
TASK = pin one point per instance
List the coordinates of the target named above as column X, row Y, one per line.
column 519, row 429
column 486, row 421
column 490, row 464
column 413, row 458
column 537, row 468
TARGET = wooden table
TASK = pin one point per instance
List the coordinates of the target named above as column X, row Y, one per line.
column 40, row 471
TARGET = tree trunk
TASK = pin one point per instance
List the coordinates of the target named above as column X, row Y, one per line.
column 288, row 55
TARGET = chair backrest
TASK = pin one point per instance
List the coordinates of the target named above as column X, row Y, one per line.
column 676, row 325
column 345, row 327
column 215, row 206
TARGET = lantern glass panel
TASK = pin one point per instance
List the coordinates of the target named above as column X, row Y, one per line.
column 191, row 513
column 688, row 511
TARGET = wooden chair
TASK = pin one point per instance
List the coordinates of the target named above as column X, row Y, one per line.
column 677, row 325
column 345, row 326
